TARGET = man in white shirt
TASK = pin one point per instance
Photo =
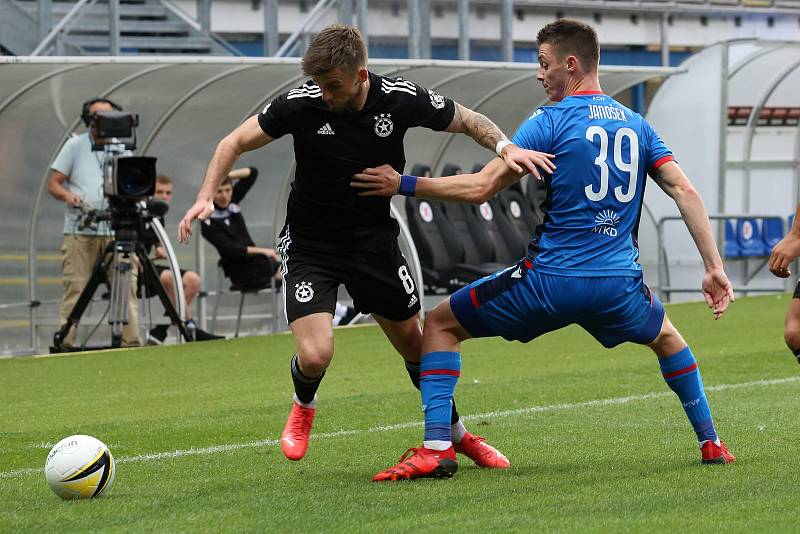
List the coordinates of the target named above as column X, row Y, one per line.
column 77, row 180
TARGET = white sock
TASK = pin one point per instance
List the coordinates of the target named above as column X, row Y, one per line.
column 457, row 431
column 341, row 311
column 437, row 445
column 312, row 404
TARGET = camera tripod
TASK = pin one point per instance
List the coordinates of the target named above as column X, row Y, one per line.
column 119, row 255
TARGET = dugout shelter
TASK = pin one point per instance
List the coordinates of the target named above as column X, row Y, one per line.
column 185, row 106
column 733, row 120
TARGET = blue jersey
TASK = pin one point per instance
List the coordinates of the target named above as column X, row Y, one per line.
column 594, row 198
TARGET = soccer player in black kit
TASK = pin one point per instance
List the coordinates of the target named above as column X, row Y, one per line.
column 343, row 120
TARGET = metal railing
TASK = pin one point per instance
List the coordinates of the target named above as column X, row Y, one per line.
column 664, row 286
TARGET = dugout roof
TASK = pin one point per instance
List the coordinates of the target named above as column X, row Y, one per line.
column 186, row 105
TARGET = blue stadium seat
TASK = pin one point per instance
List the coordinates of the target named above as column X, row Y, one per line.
column 731, row 245
column 791, row 220
column 748, row 234
column 772, row 230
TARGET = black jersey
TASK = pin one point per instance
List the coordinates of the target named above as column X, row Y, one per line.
column 324, row 210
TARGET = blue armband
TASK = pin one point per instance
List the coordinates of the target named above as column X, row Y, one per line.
column 408, row 185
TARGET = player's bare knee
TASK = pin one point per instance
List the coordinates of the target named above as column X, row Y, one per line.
column 791, row 335
column 315, row 356
column 439, row 318
column 410, row 345
column 166, row 279
column 669, row 341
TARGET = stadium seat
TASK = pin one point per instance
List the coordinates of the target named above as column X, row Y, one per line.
column 748, row 235
column 536, row 192
column 731, row 244
column 519, row 212
column 471, row 230
column 772, row 232
column 440, row 250
column 508, row 247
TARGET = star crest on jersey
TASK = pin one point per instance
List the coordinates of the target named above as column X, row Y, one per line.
column 303, row 292
column 383, row 124
column 326, row 129
column 437, row 100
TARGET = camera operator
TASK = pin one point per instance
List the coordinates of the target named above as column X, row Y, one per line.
column 190, row 279
column 77, row 180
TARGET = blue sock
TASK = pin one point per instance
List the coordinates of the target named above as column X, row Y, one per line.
column 439, row 372
column 683, row 377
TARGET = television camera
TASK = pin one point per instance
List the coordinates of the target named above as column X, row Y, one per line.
column 128, row 182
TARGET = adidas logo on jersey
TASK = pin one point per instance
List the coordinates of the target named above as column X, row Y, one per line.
column 413, row 300
column 326, row 130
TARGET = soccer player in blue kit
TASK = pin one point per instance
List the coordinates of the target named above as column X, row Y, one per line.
column 581, row 265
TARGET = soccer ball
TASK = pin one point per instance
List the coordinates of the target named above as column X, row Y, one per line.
column 79, row 467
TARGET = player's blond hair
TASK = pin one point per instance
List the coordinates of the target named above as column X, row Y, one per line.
column 336, row 46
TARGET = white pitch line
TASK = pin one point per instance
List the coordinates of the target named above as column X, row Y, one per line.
column 401, row 426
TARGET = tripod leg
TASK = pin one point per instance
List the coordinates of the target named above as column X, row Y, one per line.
column 74, row 317
column 153, row 281
column 120, row 290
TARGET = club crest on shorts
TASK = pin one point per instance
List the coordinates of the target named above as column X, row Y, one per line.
column 303, row 292
column 383, row 124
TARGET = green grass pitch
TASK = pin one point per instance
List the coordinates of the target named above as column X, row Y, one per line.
column 596, row 440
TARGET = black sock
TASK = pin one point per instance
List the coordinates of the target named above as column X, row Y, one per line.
column 304, row 387
column 160, row 329
column 413, row 373
column 797, row 355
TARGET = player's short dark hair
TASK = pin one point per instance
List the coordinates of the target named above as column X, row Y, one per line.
column 226, row 180
column 572, row 37
column 163, row 179
column 336, row 46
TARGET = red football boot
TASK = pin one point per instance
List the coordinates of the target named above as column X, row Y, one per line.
column 294, row 440
column 421, row 463
column 480, row 452
column 716, row 454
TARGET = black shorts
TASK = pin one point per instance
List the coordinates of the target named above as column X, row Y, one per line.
column 797, row 290
column 378, row 279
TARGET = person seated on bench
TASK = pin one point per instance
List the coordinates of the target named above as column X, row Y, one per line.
column 243, row 262
column 190, row 279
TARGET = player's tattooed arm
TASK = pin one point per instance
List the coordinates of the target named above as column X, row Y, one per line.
column 487, row 134
column 477, row 126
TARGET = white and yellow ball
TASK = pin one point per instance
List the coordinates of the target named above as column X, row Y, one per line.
column 79, row 467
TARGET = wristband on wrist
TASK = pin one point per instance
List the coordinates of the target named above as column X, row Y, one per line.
column 501, row 144
column 408, row 185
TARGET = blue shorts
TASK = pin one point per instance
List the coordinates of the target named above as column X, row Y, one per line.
column 520, row 303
